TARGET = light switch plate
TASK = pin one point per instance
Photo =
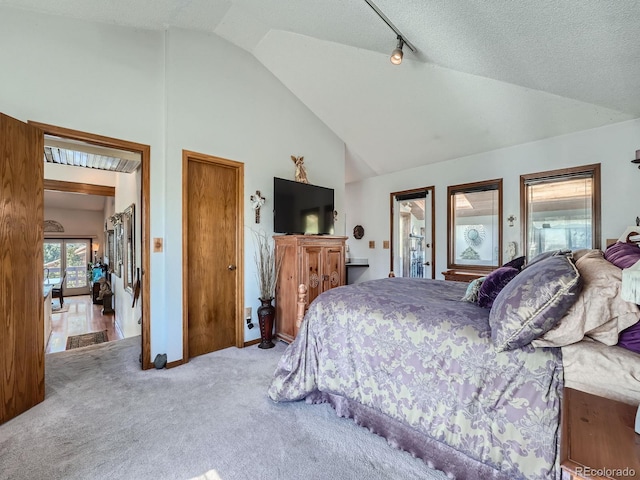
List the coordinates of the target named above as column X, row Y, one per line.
column 372, row 244
column 157, row 245
column 385, row 244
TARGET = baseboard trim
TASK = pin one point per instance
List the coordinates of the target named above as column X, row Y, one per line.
column 252, row 342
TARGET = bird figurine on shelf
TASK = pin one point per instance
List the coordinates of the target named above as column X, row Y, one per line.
column 301, row 173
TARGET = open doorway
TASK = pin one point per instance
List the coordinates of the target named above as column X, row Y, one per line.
column 411, row 232
column 142, row 223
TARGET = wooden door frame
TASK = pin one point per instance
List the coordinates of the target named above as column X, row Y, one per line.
column 188, row 155
column 392, row 197
column 145, row 154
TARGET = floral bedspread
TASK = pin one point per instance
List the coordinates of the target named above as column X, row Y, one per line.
column 410, row 348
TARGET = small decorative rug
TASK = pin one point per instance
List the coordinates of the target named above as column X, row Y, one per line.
column 84, row 340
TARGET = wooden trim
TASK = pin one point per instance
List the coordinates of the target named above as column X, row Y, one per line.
column 564, row 173
column 239, row 262
column 145, row 200
column 86, row 188
column 185, row 256
column 175, row 363
column 470, row 187
column 252, row 342
column 392, row 196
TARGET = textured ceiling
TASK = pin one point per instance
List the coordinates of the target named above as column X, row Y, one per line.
column 487, row 74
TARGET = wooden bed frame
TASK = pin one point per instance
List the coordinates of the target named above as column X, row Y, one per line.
column 301, row 307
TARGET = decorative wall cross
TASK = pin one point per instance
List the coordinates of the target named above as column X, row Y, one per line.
column 257, row 201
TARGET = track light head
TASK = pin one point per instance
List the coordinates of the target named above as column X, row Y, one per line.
column 396, row 55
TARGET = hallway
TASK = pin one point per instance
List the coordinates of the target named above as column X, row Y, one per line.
column 81, row 317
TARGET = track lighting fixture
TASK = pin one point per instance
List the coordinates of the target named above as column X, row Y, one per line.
column 396, row 55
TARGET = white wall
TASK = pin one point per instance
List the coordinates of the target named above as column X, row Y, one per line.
column 128, row 188
column 612, row 146
column 77, row 224
column 217, row 100
column 222, row 102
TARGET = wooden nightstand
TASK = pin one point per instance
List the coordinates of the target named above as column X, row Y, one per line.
column 598, row 439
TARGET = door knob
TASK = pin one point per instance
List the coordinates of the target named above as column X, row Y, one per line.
column 231, row 267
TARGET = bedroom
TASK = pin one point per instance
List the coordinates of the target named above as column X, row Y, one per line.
column 182, row 89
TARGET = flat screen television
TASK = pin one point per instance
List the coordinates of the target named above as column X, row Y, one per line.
column 302, row 208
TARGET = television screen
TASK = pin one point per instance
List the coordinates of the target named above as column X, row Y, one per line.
column 302, row 208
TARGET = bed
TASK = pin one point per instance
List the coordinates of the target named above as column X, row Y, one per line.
column 413, row 362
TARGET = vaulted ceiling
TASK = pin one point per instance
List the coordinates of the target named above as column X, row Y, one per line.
column 487, row 73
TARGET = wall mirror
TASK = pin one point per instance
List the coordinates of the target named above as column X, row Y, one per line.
column 108, row 258
column 116, row 264
column 129, row 243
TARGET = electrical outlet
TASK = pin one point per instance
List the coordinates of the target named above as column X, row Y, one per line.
column 247, row 312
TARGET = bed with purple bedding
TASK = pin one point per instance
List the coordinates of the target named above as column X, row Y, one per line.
column 413, row 362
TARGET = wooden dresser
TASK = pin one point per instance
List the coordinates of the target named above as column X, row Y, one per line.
column 316, row 261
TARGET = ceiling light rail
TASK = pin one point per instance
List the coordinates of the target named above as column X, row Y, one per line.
column 396, row 55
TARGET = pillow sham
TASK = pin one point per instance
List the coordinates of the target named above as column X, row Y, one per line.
column 533, row 302
column 599, row 311
column 623, row 255
column 493, row 285
column 471, row 295
column 545, row 255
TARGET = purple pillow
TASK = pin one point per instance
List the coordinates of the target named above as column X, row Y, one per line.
column 622, row 254
column 534, row 302
column 630, row 337
column 494, row 283
column 516, row 263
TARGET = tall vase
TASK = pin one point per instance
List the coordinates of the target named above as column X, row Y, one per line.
column 266, row 314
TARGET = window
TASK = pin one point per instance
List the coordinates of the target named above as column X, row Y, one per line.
column 560, row 209
column 474, row 225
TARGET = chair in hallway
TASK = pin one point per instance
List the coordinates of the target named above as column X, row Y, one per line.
column 56, row 291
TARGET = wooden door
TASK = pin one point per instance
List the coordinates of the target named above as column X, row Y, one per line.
column 312, row 259
column 21, row 267
column 333, row 274
column 213, row 249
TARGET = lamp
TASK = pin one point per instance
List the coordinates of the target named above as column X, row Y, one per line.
column 637, row 159
column 96, row 247
column 396, row 55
